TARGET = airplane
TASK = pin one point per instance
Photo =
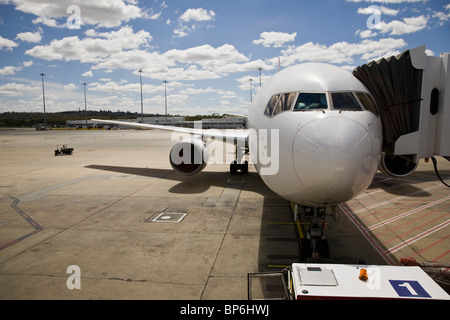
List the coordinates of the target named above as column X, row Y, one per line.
column 314, row 136
column 329, row 136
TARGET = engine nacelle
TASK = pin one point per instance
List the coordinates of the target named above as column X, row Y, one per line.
column 398, row 165
column 189, row 156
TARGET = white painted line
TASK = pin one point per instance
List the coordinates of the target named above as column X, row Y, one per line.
column 385, row 222
column 418, row 237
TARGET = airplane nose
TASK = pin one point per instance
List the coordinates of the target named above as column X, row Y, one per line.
column 332, row 158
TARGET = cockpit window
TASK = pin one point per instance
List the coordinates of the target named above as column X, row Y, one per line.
column 311, row 101
column 284, row 103
column 367, row 102
column 271, row 105
column 345, row 101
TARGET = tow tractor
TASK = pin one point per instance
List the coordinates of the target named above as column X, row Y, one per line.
column 317, row 281
column 316, row 278
column 62, row 149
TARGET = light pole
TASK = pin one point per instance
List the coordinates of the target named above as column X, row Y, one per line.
column 142, row 102
column 85, row 105
column 165, row 96
column 43, row 100
column 251, row 90
column 260, row 69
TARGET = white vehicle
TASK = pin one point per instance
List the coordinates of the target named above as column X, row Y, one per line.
column 316, row 281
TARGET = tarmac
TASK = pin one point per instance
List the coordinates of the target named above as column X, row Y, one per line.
column 114, row 221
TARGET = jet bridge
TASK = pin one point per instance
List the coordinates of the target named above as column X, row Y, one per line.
column 412, row 92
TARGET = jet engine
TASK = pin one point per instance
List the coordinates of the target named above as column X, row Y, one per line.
column 398, row 165
column 189, row 156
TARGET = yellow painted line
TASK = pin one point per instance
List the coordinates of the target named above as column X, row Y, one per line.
column 293, row 206
column 280, row 222
column 277, row 266
column 299, row 228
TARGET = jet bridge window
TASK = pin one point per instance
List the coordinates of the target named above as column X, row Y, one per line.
column 345, row 101
column 311, row 101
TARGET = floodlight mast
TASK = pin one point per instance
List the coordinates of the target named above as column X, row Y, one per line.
column 43, row 100
column 165, row 96
column 260, row 82
column 85, row 104
column 251, row 90
column 142, row 102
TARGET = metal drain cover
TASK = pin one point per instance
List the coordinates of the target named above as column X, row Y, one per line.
column 170, row 217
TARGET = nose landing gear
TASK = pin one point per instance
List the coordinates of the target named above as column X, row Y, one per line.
column 314, row 245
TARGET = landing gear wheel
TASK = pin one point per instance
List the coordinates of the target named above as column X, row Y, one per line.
column 244, row 167
column 235, row 167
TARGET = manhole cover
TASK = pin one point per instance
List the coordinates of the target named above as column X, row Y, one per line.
column 173, row 217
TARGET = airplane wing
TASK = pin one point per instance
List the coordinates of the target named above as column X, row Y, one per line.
column 229, row 136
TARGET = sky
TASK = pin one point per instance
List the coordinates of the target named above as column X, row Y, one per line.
column 207, row 51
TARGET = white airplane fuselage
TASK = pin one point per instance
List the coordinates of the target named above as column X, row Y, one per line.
column 327, row 154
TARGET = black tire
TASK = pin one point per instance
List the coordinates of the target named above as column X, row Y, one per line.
column 244, row 167
column 233, row 167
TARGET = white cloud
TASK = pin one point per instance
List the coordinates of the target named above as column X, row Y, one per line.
column 207, row 55
column 181, row 31
column 119, row 87
column 48, row 22
column 373, row 10
column 27, row 63
column 88, row 74
column 13, row 89
column 111, row 13
column 443, row 17
column 341, row 52
column 275, row 39
column 29, row 36
column 388, row 1
column 7, row 44
column 9, row 70
column 155, row 16
column 192, row 15
column 70, row 87
column 201, row 62
column 366, row 34
column 198, row 15
column 95, row 47
column 408, row 25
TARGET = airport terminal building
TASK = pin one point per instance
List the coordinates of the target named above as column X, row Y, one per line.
column 225, row 123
